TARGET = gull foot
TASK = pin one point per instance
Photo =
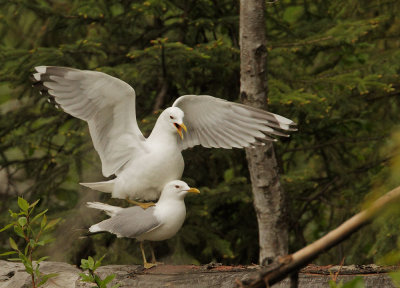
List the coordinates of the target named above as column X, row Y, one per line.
column 149, row 265
column 143, row 205
column 146, row 205
column 157, row 263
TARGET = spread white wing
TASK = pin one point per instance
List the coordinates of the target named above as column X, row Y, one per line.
column 105, row 102
column 214, row 122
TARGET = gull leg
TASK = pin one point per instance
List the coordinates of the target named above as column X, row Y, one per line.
column 153, row 256
column 143, row 205
column 146, row 265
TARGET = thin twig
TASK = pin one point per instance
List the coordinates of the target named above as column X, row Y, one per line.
column 338, row 272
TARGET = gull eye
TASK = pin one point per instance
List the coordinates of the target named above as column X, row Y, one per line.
column 171, row 117
column 177, row 186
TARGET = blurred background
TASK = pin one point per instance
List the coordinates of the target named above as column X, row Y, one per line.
column 333, row 67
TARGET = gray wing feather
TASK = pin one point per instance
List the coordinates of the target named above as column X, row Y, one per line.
column 105, row 102
column 214, row 122
column 131, row 222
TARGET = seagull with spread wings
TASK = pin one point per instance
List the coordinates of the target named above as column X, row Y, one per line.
column 143, row 166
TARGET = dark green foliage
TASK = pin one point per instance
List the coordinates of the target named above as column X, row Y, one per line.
column 336, row 66
column 332, row 67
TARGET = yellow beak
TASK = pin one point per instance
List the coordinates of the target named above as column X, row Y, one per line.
column 179, row 128
column 193, row 190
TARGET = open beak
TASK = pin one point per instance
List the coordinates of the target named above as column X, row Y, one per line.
column 193, row 190
column 179, row 128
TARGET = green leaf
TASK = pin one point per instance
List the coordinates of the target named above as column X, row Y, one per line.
column 37, row 272
column 32, row 243
column 52, row 223
column 98, row 263
column 8, row 253
column 39, row 215
column 395, row 278
column 13, row 214
column 23, row 204
column 18, row 230
column 22, row 221
column 91, row 263
column 46, row 277
column 26, row 249
column 42, row 259
column 34, row 203
column 84, row 264
column 357, row 282
column 333, row 284
column 108, row 279
column 42, row 282
column 7, row 226
column 13, row 244
column 43, row 222
column 14, row 259
column 116, row 285
column 98, row 280
column 86, row 278
column 44, row 242
column 24, row 259
column 28, row 267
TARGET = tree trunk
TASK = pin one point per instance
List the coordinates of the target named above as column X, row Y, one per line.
column 269, row 200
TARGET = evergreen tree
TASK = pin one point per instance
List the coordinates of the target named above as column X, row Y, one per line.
column 332, row 67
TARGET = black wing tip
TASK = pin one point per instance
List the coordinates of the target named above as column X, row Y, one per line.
column 292, row 127
column 33, row 79
column 37, row 80
column 266, row 139
column 87, row 233
column 44, row 72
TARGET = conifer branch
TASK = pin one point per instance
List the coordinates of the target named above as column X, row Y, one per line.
column 301, row 43
column 341, row 141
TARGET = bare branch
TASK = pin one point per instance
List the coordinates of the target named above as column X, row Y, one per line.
column 286, row 265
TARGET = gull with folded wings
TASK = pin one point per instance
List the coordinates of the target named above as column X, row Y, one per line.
column 157, row 223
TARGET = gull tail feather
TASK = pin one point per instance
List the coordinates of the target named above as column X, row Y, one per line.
column 85, row 233
column 105, row 186
column 95, row 229
column 109, row 209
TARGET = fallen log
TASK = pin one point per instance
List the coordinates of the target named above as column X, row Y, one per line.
column 13, row 275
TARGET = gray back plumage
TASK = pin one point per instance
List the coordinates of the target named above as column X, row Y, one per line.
column 131, row 222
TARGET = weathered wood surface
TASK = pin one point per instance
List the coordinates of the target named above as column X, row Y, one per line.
column 12, row 275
